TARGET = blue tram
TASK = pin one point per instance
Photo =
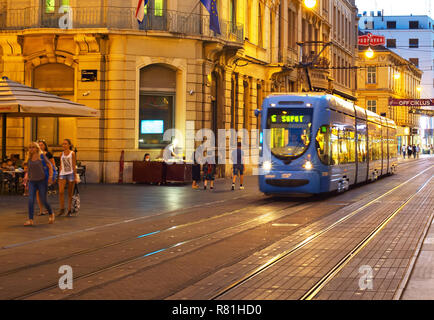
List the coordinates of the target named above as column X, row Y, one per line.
column 316, row 143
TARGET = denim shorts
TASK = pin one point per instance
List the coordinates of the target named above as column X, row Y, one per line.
column 209, row 177
column 69, row 177
column 238, row 168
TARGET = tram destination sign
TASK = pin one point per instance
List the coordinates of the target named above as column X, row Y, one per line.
column 411, row 102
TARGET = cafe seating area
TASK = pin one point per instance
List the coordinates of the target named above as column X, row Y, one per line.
column 12, row 181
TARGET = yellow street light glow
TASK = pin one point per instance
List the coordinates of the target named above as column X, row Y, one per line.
column 419, row 89
column 397, row 76
column 369, row 53
column 310, row 4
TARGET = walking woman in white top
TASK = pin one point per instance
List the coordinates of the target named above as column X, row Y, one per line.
column 67, row 173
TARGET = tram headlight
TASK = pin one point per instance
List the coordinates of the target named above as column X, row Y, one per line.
column 267, row 166
column 308, row 165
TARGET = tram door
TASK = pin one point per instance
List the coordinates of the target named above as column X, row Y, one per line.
column 362, row 151
column 385, row 155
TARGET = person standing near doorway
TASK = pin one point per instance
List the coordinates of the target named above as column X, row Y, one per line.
column 404, row 150
column 37, row 180
column 238, row 166
column 68, row 172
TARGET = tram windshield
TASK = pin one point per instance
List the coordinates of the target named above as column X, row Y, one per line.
column 290, row 131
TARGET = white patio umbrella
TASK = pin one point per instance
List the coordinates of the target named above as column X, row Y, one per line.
column 18, row 100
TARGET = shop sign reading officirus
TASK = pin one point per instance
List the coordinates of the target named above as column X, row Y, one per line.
column 411, row 102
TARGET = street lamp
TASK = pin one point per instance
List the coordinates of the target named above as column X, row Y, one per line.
column 419, row 89
column 397, row 76
column 369, row 53
column 310, row 4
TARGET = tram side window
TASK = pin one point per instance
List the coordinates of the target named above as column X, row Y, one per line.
column 343, row 145
column 393, row 146
column 385, row 141
column 351, row 143
column 334, row 142
column 374, row 142
column 323, row 144
column 377, row 143
column 361, row 143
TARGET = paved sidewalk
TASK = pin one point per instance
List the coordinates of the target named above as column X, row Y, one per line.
column 421, row 283
column 104, row 204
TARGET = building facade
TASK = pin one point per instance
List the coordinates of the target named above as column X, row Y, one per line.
column 389, row 76
column 170, row 71
column 411, row 37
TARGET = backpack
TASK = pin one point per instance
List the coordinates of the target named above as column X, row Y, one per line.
column 75, row 206
column 46, row 170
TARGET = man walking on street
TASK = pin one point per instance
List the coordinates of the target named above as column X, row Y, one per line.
column 403, row 149
column 238, row 166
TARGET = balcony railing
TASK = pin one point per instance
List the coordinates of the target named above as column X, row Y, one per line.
column 176, row 22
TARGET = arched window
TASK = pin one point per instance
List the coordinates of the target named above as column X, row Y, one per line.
column 57, row 79
column 156, row 105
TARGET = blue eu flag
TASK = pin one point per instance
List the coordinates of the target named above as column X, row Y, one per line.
column 211, row 6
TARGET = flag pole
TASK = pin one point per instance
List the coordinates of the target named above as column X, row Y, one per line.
column 191, row 12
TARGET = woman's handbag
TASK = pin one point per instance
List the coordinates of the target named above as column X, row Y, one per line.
column 75, row 206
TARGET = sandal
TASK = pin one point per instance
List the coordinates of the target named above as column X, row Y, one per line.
column 51, row 218
column 28, row 223
column 61, row 212
column 69, row 214
column 43, row 213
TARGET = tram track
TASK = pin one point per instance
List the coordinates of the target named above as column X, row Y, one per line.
column 166, row 230
column 314, row 290
column 123, row 241
column 297, row 207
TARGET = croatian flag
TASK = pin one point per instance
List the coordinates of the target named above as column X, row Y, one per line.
column 140, row 12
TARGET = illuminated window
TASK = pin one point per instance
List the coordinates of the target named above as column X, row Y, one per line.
column 159, row 6
column 372, row 75
column 233, row 12
column 50, row 6
column 371, row 105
